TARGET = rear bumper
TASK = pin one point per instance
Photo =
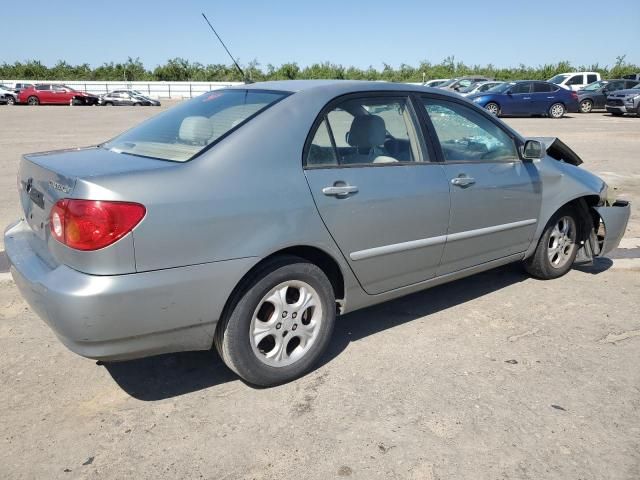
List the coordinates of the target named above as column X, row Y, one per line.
column 615, row 219
column 120, row 317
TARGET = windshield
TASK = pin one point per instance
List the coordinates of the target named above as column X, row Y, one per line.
column 470, row 88
column 558, row 79
column 595, row 85
column 501, row 87
column 182, row 132
column 448, row 82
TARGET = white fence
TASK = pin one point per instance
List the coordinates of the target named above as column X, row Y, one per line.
column 152, row 89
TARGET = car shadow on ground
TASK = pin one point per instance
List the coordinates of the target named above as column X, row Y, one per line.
column 172, row 375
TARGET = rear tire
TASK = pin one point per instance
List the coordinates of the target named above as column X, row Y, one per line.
column 108, row 104
column 33, row 101
column 557, row 248
column 556, row 110
column 279, row 323
column 493, row 108
column 586, row 106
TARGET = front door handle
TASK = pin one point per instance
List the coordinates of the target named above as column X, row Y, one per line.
column 463, row 181
column 340, row 190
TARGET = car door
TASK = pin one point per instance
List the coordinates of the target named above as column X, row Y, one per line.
column 381, row 195
column 600, row 97
column 45, row 94
column 60, row 95
column 495, row 196
column 519, row 99
column 576, row 82
column 543, row 95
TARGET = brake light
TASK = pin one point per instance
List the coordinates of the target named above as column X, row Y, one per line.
column 93, row 224
column 574, row 95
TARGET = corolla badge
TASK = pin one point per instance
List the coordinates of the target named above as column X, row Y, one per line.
column 59, row 186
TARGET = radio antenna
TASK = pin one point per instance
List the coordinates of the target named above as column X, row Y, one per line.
column 244, row 77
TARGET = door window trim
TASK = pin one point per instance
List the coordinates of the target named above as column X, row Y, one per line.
column 423, row 146
column 435, row 141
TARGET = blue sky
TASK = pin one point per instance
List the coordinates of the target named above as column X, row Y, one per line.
column 350, row 33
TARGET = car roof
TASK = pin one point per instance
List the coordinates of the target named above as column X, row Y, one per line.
column 338, row 87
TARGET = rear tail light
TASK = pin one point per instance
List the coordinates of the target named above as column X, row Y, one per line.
column 93, row 224
column 574, row 95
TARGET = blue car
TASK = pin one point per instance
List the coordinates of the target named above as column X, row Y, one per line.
column 528, row 97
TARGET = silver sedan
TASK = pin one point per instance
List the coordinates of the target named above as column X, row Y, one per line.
column 249, row 217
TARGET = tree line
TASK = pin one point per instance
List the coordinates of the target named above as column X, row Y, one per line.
column 180, row 69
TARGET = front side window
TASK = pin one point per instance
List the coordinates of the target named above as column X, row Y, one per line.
column 366, row 131
column 575, row 80
column 43, row 87
column 468, row 136
column 522, row 87
column 613, row 86
column 184, row 131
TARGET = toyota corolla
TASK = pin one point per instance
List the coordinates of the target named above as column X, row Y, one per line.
column 249, row 217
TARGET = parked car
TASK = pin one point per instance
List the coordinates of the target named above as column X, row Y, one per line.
column 45, row 93
column 479, row 87
column 18, row 87
column 436, row 82
column 633, row 76
column 595, row 95
column 127, row 97
column 233, row 219
column 7, row 96
column 456, row 84
column 624, row 101
column 575, row 80
column 527, row 97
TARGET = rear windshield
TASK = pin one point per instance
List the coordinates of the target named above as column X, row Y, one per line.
column 184, row 131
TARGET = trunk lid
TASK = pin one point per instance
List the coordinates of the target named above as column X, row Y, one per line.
column 44, row 178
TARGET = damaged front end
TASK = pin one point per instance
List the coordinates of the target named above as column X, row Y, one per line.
column 605, row 227
column 604, row 218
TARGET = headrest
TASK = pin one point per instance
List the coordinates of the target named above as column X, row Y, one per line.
column 367, row 131
column 196, row 130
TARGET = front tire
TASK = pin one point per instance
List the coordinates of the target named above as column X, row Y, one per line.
column 33, row 101
column 11, row 101
column 557, row 248
column 279, row 322
column 493, row 108
column 586, row 106
column 556, row 110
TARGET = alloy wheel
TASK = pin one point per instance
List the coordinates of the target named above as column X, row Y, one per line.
column 492, row 108
column 586, row 106
column 286, row 323
column 556, row 110
column 562, row 241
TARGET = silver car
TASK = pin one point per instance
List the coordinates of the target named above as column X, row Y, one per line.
column 249, row 217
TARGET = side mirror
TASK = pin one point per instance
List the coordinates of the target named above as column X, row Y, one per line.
column 533, row 150
column 509, row 92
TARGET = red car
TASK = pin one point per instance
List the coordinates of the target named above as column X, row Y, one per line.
column 56, row 95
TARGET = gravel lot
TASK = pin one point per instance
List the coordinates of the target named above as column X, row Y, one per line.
column 496, row 376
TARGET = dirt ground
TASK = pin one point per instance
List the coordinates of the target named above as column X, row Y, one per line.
column 497, row 376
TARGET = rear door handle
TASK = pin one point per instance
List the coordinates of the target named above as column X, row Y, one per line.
column 463, row 181
column 340, row 191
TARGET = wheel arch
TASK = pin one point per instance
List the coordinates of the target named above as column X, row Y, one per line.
column 582, row 204
column 315, row 255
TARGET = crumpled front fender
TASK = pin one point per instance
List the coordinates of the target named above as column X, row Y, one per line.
column 615, row 218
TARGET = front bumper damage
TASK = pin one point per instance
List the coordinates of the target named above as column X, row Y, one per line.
column 609, row 224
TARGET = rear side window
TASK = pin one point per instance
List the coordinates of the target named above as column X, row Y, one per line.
column 592, row 78
column 541, row 87
column 43, row 87
column 181, row 133
column 366, row 131
column 468, row 136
